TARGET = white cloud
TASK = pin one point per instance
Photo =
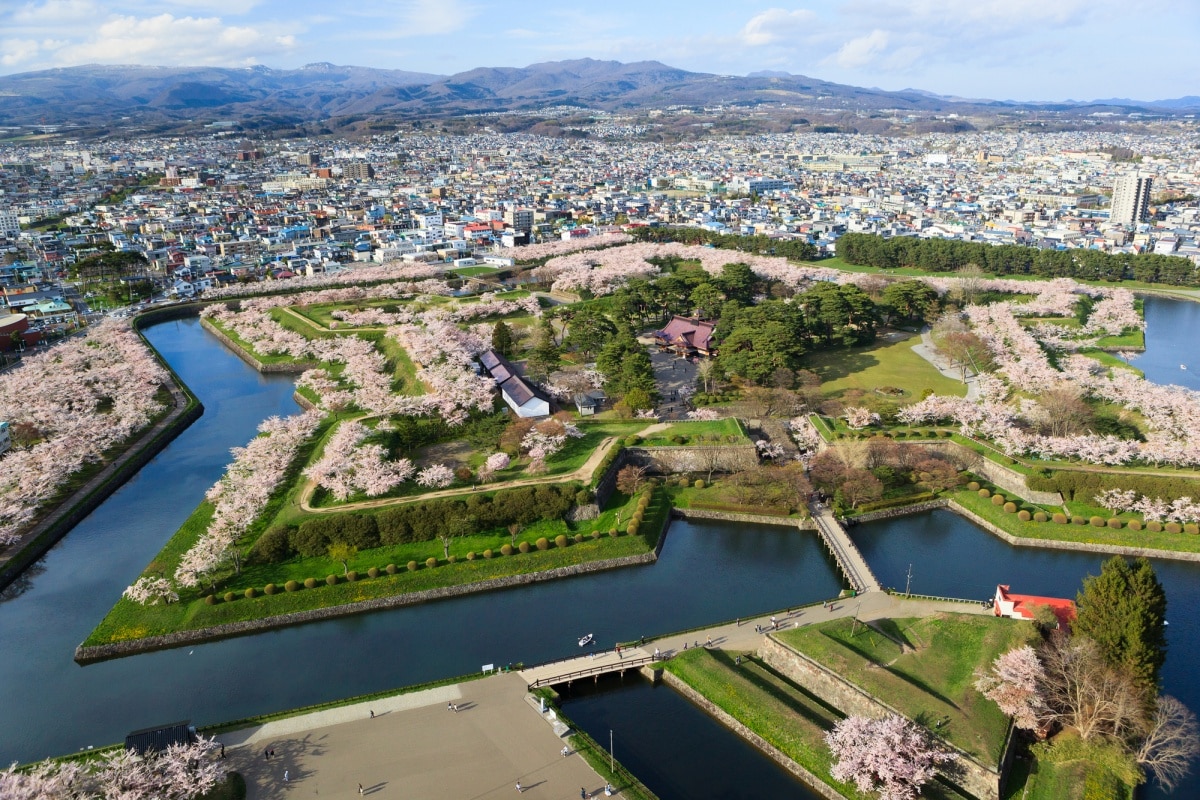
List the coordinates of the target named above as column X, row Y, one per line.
column 861, row 50
column 15, row 52
column 778, row 25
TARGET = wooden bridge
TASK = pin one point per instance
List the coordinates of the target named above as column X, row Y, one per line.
column 592, row 665
column 845, row 553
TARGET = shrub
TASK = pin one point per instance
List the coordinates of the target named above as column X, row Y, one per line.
column 314, row 536
column 506, row 549
column 583, row 497
column 542, row 543
column 632, row 529
column 331, row 580
column 1039, row 516
column 229, row 596
column 973, row 486
column 1097, row 522
column 273, row 546
column 578, row 538
column 677, row 439
column 210, row 600
column 985, row 493
column 997, row 499
column 412, row 566
column 523, row 547
column 453, row 559
column 291, row 586
column 431, row 562
column 1134, row 525
column 633, row 441
column 1154, row 527
column 310, row 583
column 1060, row 519
column 1024, row 515
column 596, row 534
column 352, row 576
column 251, row 593
column 1115, row 524
column 390, row 569
column 1174, row 527
column 699, row 484
column 488, row 553
column 471, row 555
column 1080, row 520
column 612, row 532
column 1010, row 508
column 1191, row 527
column 373, row 572
column 560, row 540
column 463, row 474
column 269, row 589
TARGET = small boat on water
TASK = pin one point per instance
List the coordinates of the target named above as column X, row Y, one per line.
column 584, row 641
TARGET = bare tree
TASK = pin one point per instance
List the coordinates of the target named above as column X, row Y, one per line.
column 1171, row 742
column 706, row 372
column 630, row 479
column 970, row 283
column 710, row 459
column 1063, row 411
column 1083, row 692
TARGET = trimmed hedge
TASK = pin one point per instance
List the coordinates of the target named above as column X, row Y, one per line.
column 331, row 580
column 523, row 547
column 291, row 586
column 1097, row 522
column 1059, row 518
column 542, row 543
column 1134, row 525
column 431, row 562
column 269, row 589
column 1010, row 507
column 251, row 593
column 229, row 597
column 998, row 499
column 1024, row 515
column 310, row 583
column 560, row 540
column 506, row 549
column 1039, row 516
column 373, row 572
column 412, row 566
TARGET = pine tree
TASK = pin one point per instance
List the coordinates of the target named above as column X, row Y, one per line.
column 1123, row 610
column 502, row 341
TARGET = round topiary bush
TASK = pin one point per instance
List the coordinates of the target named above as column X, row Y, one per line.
column 1024, row 515
column 453, row 559
column 1061, row 519
column 487, row 553
column 985, row 492
column 542, row 543
column 699, row 484
column 1174, row 527
column 1010, row 508
column 997, row 499
column 291, row 586
column 229, row 596
column 310, row 583
column 1097, row 522
column 412, row 566
column 210, row 600
column 471, row 555
column 1115, row 524
column 506, row 549
column 352, row 576
column 613, row 532
column 390, row 569
column 373, row 572
column 251, row 593
column 560, row 540
column 1080, row 520
column 973, row 486
column 331, row 580
column 632, row 529
column 431, row 562
column 1154, row 527
column 269, row 589
column 578, row 538
column 1134, row 525
column 1039, row 516
column 1191, row 528
column 595, row 534
column 524, row 547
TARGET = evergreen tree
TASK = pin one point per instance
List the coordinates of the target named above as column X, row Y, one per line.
column 1123, row 610
column 543, row 359
column 502, row 341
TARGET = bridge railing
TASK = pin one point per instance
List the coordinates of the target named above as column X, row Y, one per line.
column 595, row 670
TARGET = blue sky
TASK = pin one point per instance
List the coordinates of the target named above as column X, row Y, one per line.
column 1001, row 49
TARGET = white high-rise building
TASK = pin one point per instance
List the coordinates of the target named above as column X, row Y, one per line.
column 1130, row 200
column 10, row 225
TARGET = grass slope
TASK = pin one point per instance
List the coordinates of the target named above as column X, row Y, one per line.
column 888, row 362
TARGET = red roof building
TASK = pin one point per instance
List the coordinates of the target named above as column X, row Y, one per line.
column 1021, row 606
column 687, row 336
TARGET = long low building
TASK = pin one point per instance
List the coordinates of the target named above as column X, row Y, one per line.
column 522, row 396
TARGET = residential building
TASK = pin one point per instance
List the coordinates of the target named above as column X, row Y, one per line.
column 1130, row 200
column 10, row 224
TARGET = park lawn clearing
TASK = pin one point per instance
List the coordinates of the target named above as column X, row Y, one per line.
column 930, row 679
column 887, row 362
column 471, row 272
column 699, row 433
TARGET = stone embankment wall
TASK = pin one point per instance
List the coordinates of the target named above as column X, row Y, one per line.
column 898, row 511
column 756, row 519
column 717, row 458
column 285, row 367
column 812, row 781
column 1008, row 479
column 976, row 778
column 608, row 482
column 87, row 655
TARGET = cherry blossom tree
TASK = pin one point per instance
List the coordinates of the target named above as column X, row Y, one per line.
column 704, row 415
column 1116, row 501
column 892, row 756
column 151, row 591
column 494, row 463
column 858, row 417
column 436, row 476
column 1014, row 683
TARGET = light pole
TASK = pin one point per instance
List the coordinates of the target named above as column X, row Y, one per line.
column 612, row 759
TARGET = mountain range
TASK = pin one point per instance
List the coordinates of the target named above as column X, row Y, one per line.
column 105, row 95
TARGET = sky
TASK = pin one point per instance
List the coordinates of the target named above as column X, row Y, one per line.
column 997, row 49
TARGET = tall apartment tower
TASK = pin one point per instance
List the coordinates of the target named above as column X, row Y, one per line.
column 1130, row 200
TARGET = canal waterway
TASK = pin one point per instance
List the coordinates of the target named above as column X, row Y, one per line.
column 708, row 572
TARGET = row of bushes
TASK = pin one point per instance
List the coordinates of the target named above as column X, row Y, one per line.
column 1094, row 521
column 867, row 434
column 606, row 464
column 711, row 398
column 419, row 522
column 1079, row 486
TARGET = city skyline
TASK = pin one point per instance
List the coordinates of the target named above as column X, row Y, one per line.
column 1012, row 50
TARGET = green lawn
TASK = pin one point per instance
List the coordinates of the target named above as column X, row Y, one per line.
column 472, row 272
column 787, row 717
column 888, row 362
column 1111, row 361
column 699, row 433
column 931, row 679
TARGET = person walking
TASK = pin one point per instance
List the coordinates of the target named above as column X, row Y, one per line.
column 372, row 713
column 222, row 751
column 582, row 793
column 360, row 790
column 520, row 789
column 285, row 776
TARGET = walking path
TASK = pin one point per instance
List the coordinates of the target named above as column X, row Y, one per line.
column 928, row 351
column 853, row 565
column 415, row 748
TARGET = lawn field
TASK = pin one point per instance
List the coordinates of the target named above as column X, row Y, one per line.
column 888, row 362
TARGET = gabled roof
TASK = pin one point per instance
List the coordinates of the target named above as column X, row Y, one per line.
column 1023, row 605
column 688, row 332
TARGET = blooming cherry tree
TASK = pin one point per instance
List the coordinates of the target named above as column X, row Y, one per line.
column 892, row 756
column 437, row 476
column 1014, row 684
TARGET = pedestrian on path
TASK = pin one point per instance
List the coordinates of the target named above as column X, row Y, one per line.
column 449, row 706
column 372, row 713
column 709, row 642
column 774, row 623
column 222, row 751
column 360, row 789
column 656, row 654
column 456, row 708
column 285, row 776
column 266, row 754
column 582, row 793
column 520, row 789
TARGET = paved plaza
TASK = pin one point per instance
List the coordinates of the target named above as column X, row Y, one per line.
column 415, row 748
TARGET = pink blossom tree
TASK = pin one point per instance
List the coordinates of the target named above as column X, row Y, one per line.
column 436, row 476
column 892, row 756
column 1014, row 684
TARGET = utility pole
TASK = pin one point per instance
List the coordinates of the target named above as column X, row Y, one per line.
column 908, row 582
column 612, row 759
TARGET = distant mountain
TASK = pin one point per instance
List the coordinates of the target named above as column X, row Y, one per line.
column 1191, row 102
column 160, row 98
